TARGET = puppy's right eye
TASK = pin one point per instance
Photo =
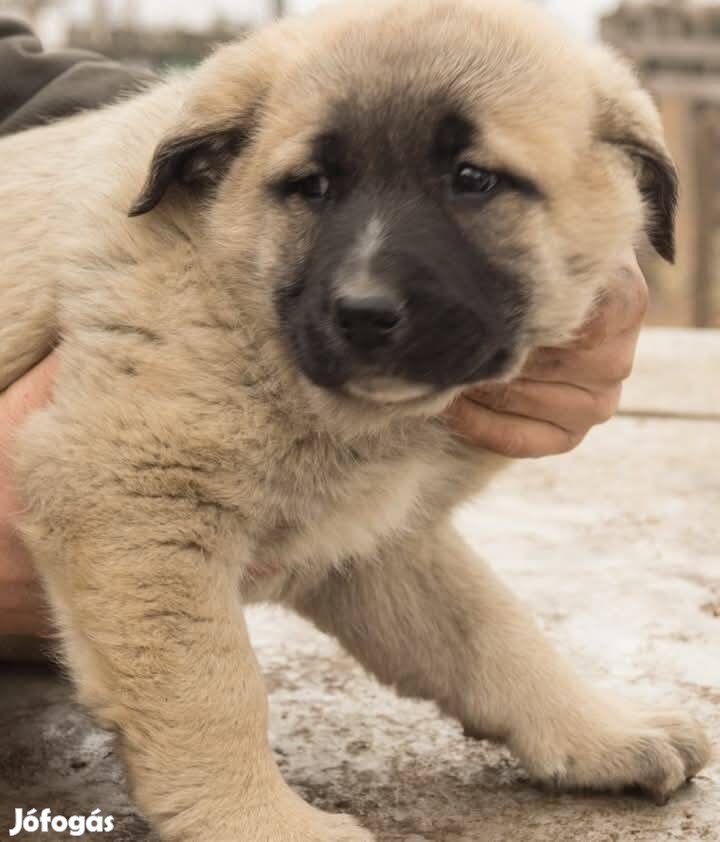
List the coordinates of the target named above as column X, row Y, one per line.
column 470, row 180
column 313, row 188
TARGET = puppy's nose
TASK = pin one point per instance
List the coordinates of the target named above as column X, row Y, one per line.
column 368, row 323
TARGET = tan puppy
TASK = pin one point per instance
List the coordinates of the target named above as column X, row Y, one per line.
column 343, row 222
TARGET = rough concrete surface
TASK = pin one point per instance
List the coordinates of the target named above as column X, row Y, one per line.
column 615, row 546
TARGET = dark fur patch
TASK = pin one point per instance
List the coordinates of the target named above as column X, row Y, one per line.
column 453, row 135
column 659, row 186
column 169, row 466
column 196, row 160
column 461, row 310
column 132, row 330
column 658, row 182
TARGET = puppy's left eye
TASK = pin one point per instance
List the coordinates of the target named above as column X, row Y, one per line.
column 469, row 180
column 312, row 188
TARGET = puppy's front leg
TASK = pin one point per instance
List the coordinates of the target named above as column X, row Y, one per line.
column 432, row 620
column 157, row 644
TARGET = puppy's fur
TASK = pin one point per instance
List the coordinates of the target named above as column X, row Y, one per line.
column 227, row 428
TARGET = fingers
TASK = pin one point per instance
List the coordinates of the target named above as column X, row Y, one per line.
column 27, row 394
column 28, row 620
column 509, row 435
column 604, row 350
column 563, row 392
column 597, row 367
column 622, row 308
column 23, row 609
column 566, row 405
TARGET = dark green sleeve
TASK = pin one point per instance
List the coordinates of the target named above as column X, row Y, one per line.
column 36, row 86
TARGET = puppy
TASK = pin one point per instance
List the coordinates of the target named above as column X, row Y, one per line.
column 269, row 279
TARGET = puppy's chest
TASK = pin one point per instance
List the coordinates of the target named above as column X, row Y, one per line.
column 323, row 504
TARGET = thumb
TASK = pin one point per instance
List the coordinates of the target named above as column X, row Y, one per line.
column 32, row 391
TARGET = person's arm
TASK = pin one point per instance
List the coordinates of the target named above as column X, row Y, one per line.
column 563, row 392
column 22, row 608
column 38, row 86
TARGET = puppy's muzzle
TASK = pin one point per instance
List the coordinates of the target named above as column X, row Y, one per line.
column 380, row 332
column 409, row 308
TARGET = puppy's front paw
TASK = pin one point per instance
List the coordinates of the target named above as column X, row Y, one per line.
column 656, row 752
column 320, row 827
column 303, row 823
column 285, row 818
column 341, row 828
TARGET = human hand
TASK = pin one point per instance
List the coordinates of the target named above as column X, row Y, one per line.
column 22, row 606
column 563, row 392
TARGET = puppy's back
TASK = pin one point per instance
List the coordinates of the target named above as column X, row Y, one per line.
column 64, row 196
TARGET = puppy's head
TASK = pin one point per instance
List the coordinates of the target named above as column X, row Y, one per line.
column 422, row 191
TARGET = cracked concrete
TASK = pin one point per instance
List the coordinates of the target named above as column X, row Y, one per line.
column 616, row 547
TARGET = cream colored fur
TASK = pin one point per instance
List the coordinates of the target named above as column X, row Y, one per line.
column 185, row 466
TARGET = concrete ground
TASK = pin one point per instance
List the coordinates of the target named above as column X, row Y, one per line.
column 615, row 546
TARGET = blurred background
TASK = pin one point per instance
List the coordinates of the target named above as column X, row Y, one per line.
column 675, row 44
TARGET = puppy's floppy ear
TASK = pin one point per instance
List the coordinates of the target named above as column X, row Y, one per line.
column 630, row 120
column 217, row 119
column 658, row 181
column 199, row 160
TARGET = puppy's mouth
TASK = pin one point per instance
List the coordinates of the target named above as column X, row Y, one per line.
column 417, row 367
column 389, row 390
column 385, row 390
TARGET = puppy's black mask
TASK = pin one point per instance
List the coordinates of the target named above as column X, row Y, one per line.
column 394, row 287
